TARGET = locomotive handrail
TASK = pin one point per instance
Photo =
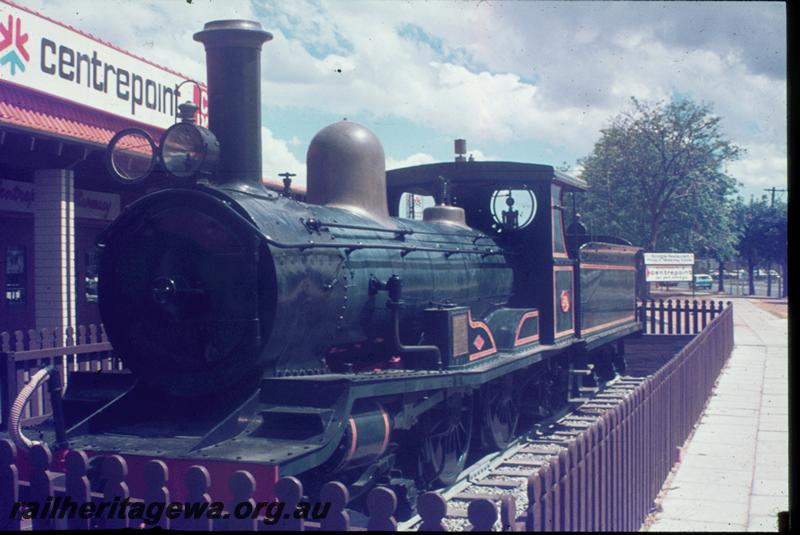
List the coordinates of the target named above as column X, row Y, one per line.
column 350, row 247
column 311, row 244
column 316, row 224
column 406, row 248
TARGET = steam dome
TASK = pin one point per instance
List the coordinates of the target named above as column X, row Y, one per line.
column 346, row 168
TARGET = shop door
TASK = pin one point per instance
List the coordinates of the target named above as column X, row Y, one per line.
column 16, row 273
column 86, row 232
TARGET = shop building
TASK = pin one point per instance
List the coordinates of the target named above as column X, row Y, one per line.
column 63, row 95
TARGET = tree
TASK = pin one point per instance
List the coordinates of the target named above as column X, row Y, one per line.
column 750, row 221
column 779, row 239
column 773, row 245
column 763, row 236
column 657, row 178
column 721, row 241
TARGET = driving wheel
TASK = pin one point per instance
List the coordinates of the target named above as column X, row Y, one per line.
column 446, row 432
column 500, row 413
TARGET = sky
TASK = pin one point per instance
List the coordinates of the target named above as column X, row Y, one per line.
column 520, row 81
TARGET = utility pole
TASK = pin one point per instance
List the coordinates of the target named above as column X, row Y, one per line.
column 773, row 189
column 411, row 206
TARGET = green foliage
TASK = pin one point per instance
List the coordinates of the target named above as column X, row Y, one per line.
column 762, row 231
column 762, row 236
column 657, row 178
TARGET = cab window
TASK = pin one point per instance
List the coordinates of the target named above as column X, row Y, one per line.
column 513, row 209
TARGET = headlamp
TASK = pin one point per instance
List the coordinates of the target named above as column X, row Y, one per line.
column 188, row 150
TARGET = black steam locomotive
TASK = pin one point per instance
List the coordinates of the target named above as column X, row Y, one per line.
column 331, row 336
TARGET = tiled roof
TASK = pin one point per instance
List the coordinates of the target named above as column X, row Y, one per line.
column 32, row 110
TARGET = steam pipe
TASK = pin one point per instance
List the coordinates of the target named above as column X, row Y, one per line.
column 233, row 63
column 56, row 402
column 394, row 286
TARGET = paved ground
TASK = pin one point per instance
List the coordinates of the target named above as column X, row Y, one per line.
column 734, row 473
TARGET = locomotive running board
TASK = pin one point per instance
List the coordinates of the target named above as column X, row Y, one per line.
column 254, row 429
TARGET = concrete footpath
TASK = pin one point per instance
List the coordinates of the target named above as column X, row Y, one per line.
column 734, row 471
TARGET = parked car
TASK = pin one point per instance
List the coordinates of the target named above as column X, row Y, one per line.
column 702, row 281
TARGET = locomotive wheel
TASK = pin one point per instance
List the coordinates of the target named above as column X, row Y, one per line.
column 603, row 365
column 546, row 389
column 500, row 413
column 445, row 433
column 619, row 360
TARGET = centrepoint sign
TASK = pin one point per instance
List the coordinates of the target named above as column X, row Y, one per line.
column 668, row 267
column 41, row 54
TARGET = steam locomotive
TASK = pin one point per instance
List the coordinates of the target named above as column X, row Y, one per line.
column 332, row 337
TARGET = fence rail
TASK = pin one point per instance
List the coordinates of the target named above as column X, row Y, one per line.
column 613, row 472
column 678, row 317
column 22, row 354
column 605, row 479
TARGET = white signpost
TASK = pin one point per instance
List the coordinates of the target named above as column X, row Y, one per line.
column 669, row 267
column 668, row 273
column 669, row 259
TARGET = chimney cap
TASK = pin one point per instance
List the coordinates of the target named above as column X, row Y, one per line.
column 233, row 32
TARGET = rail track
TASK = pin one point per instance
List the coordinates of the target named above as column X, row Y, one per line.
column 505, row 473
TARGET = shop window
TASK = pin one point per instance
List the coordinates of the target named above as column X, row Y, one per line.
column 90, row 276
column 15, row 274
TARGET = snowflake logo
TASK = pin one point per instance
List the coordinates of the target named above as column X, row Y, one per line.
column 12, row 45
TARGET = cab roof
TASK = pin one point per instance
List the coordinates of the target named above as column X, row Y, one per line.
column 422, row 176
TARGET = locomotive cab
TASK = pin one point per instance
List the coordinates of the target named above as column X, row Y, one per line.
column 520, row 205
column 582, row 285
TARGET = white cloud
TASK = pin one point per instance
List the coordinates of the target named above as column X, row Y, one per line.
column 419, row 158
column 544, row 73
column 277, row 158
column 576, row 86
column 422, row 158
column 158, row 31
column 764, row 165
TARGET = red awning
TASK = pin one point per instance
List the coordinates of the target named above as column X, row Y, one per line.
column 38, row 112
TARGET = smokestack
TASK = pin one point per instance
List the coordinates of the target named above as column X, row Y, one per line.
column 233, row 63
